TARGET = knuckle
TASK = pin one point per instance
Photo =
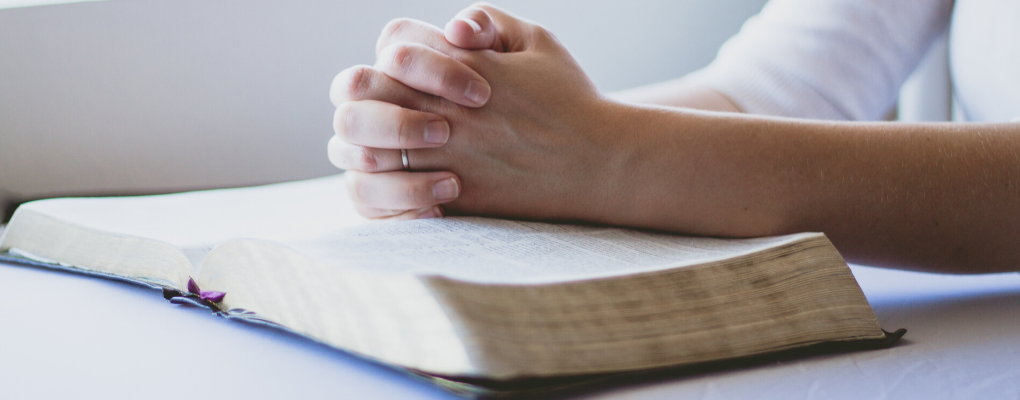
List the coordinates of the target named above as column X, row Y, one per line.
column 403, row 134
column 335, row 153
column 364, row 159
column 414, row 193
column 475, row 13
column 551, row 37
column 335, row 93
column 355, row 186
column 396, row 26
column 401, row 56
column 486, row 8
column 470, row 60
column 357, row 81
column 341, row 119
column 448, row 77
column 541, row 33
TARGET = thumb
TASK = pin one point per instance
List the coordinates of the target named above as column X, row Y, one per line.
column 483, row 26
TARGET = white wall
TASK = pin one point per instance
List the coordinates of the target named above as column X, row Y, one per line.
column 134, row 96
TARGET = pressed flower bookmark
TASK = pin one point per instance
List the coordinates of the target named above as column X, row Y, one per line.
column 207, row 295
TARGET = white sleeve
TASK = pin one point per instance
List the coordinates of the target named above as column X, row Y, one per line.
column 825, row 59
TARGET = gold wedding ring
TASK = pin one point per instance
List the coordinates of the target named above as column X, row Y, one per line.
column 403, row 158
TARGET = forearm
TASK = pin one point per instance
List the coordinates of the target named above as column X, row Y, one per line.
column 547, row 146
column 678, row 93
column 940, row 197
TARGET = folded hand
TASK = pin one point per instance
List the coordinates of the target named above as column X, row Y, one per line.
column 496, row 117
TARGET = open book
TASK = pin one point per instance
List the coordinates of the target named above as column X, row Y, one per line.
column 459, row 298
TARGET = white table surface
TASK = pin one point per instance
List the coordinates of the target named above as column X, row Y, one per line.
column 69, row 336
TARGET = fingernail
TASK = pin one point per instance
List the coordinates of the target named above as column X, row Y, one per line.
column 477, row 91
column 433, row 212
column 446, row 189
column 474, row 25
column 437, row 132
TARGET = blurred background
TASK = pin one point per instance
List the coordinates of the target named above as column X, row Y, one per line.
column 154, row 96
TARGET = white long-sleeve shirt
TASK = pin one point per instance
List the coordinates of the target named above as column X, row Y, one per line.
column 846, row 59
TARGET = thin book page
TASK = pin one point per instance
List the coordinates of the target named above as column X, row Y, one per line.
column 503, row 251
column 278, row 212
column 195, row 222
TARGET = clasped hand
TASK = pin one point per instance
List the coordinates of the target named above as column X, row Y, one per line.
column 496, row 116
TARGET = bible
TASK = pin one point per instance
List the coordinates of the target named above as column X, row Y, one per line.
column 470, row 303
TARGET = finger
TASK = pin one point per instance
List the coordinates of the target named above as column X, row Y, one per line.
column 402, row 190
column 399, row 215
column 509, row 33
column 425, row 69
column 383, row 125
column 424, row 213
column 360, row 158
column 464, row 87
column 362, row 82
column 406, row 30
column 473, row 29
column 372, row 212
column 348, row 156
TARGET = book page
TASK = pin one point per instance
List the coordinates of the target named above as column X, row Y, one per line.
column 279, row 212
column 195, row 222
column 492, row 250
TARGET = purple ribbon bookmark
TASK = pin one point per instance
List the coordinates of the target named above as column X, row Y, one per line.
column 207, row 295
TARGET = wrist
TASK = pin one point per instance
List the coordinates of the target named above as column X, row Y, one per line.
column 688, row 171
column 622, row 138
